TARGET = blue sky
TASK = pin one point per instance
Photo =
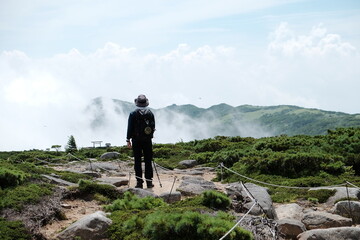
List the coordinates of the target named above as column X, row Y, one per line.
column 59, row 53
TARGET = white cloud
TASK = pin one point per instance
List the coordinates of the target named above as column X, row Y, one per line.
column 317, row 69
column 317, row 43
column 36, row 89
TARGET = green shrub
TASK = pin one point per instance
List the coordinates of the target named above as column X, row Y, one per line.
column 164, row 152
column 19, row 196
column 90, row 187
column 203, row 157
column 228, row 157
column 10, row 177
column 321, row 195
column 313, row 200
column 13, row 230
column 214, row 199
column 72, row 176
column 335, row 168
column 190, row 225
column 101, row 198
column 131, row 201
column 127, row 225
column 209, row 145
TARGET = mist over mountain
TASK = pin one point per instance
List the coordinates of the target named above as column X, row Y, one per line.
column 176, row 123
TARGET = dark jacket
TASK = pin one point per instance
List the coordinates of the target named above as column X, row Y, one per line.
column 134, row 121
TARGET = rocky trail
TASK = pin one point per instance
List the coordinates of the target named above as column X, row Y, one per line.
column 300, row 220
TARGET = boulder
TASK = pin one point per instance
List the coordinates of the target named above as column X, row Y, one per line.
column 341, row 233
column 349, row 209
column 261, row 194
column 316, row 220
column 91, row 227
column 191, row 186
column 188, row 163
column 262, row 228
column 92, row 174
column 58, row 181
column 110, row 155
column 193, row 172
column 139, row 192
column 290, row 228
column 205, row 169
column 117, row 174
column 289, row 211
column 98, row 166
column 341, row 193
column 171, row 198
column 116, row 181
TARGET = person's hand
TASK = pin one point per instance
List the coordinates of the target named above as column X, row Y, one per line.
column 129, row 144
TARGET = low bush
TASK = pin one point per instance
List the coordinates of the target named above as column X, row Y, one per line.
column 214, row 199
column 11, row 177
column 131, row 201
column 90, row 187
column 203, row 157
column 19, row 196
column 13, row 230
column 162, row 225
column 127, row 225
column 72, row 176
column 210, row 145
column 321, row 195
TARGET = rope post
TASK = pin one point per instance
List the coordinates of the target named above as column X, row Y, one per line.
column 221, row 171
column 91, row 165
column 129, row 179
column 168, row 199
column 157, row 173
column 348, row 197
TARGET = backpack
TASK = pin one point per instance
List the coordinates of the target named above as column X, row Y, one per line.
column 144, row 124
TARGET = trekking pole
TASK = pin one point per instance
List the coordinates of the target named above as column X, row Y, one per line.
column 157, row 173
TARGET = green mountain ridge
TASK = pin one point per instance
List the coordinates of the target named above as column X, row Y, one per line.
column 245, row 120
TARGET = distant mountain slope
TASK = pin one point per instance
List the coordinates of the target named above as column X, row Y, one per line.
column 191, row 122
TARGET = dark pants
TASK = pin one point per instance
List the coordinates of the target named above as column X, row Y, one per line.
column 143, row 147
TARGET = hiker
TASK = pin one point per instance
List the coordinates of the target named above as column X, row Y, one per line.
column 141, row 127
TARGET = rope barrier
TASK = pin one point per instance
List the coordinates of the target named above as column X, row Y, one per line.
column 274, row 185
column 164, row 168
column 352, row 185
column 242, row 218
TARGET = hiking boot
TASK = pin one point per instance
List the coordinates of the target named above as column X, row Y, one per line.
column 149, row 184
column 139, row 185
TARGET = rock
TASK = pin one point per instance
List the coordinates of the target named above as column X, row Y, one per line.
column 171, row 198
column 290, row 228
column 107, row 166
column 139, row 192
column 341, row 193
column 191, row 186
column 341, row 233
column 289, row 211
column 58, row 181
column 188, row 163
column 261, row 194
column 91, row 227
column 66, row 206
column 193, row 172
column 261, row 228
column 350, row 209
column 205, row 169
column 316, row 220
column 117, row 174
column 92, row 174
column 110, row 155
column 116, row 181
